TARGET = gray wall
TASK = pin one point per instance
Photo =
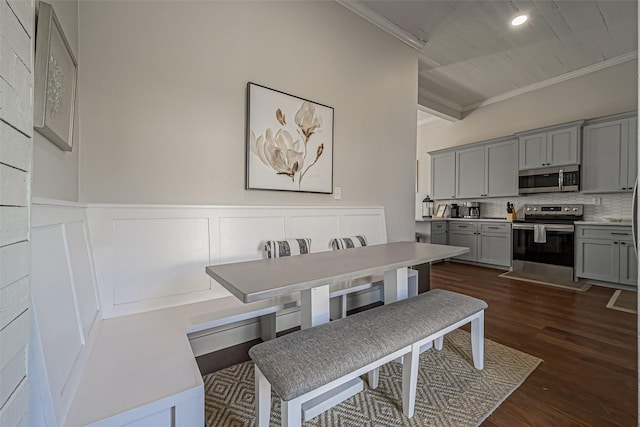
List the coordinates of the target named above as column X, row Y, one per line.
column 162, row 92
column 608, row 91
column 55, row 172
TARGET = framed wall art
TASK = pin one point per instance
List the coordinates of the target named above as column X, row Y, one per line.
column 55, row 80
column 289, row 142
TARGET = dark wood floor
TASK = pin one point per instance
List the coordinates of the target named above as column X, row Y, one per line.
column 589, row 373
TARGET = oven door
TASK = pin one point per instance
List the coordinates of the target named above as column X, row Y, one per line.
column 558, row 249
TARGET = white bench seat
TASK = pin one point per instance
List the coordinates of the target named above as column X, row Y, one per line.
column 304, row 364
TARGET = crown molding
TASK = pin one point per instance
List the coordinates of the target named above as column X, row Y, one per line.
column 428, row 120
column 554, row 80
column 439, row 99
column 382, row 23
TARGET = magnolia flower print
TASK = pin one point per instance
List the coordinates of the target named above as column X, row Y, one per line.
column 280, row 152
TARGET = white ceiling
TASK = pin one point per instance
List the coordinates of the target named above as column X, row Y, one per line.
column 470, row 54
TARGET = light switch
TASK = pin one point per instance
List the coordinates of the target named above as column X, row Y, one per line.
column 337, row 193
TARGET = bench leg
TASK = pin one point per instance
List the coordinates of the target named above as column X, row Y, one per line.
column 439, row 342
column 268, row 327
column 338, row 307
column 262, row 399
column 477, row 340
column 291, row 413
column 410, row 380
column 374, row 378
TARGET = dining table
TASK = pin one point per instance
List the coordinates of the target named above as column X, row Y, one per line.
column 312, row 275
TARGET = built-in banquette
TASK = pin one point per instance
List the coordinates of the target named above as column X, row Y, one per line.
column 121, row 302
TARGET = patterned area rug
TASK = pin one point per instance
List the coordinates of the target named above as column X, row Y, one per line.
column 451, row 392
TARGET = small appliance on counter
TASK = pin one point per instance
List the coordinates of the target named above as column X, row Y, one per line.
column 473, row 210
column 427, row 208
column 455, row 211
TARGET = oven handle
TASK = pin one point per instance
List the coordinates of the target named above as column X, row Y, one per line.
column 560, row 179
column 548, row 227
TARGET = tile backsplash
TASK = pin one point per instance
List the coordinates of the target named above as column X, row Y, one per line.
column 616, row 205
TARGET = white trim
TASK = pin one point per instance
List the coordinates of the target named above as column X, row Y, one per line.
column 428, row 120
column 439, row 99
column 554, row 80
column 382, row 23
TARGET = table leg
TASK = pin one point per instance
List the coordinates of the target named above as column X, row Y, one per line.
column 396, row 285
column 314, row 307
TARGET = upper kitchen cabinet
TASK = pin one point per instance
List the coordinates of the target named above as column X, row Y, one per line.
column 553, row 146
column 609, row 162
column 443, row 175
column 487, row 170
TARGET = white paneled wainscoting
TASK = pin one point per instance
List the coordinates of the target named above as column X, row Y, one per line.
column 121, row 301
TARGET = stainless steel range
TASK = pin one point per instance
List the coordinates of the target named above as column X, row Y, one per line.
column 543, row 242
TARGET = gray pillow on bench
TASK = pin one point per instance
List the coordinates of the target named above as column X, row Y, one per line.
column 279, row 248
column 348, row 242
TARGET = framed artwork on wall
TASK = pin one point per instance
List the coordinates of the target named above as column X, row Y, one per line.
column 289, row 142
column 55, row 75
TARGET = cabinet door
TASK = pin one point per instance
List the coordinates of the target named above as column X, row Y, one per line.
column 598, row 260
column 628, row 264
column 439, row 238
column 470, row 173
column 443, row 175
column 533, row 151
column 467, row 240
column 495, row 249
column 502, row 172
column 602, row 170
column 632, row 158
column 563, row 147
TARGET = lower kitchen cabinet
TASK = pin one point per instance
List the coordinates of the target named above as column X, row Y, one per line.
column 606, row 253
column 488, row 242
column 432, row 231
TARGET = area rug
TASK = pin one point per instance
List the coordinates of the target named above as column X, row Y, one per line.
column 545, row 280
column 626, row 301
column 450, row 392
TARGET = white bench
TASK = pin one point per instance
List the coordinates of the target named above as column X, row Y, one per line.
column 305, row 364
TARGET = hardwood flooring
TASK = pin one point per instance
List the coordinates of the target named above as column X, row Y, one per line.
column 589, row 373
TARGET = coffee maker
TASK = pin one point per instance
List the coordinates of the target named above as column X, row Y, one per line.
column 455, row 210
column 473, row 210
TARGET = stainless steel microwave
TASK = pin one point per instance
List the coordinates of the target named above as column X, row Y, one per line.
column 549, row 180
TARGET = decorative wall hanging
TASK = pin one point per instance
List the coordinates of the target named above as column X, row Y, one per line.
column 55, row 80
column 289, row 142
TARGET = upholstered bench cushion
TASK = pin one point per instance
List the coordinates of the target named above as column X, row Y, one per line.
column 302, row 361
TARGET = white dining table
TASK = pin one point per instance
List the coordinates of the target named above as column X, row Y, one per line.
column 312, row 274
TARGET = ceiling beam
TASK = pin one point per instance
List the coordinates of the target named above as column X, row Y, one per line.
column 383, row 23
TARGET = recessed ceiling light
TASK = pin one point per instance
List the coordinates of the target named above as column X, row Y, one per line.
column 519, row 20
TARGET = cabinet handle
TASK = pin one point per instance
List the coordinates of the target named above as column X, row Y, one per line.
column 494, row 228
column 619, row 234
column 615, row 243
column 623, row 243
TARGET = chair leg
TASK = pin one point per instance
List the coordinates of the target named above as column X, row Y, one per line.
column 291, row 413
column 410, row 380
column 262, row 399
column 268, row 327
column 438, row 342
column 477, row 340
column 374, row 378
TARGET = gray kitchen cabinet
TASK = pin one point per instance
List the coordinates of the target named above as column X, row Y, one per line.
column 432, row 231
column 486, row 169
column 470, row 172
column 465, row 235
column 606, row 254
column 443, row 175
column 610, row 155
column 552, row 146
column 488, row 242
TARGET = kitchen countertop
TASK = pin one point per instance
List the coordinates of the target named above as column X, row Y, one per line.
column 464, row 219
column 626, row 223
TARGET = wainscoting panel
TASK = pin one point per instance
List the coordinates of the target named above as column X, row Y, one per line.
column 320, row 228
column 371, row 225
column 162, row 257
column 242, row 238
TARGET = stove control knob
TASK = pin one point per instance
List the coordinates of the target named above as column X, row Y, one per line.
column 567, row 209
column 528, row 209
column 575, row 209
column 535, row 209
